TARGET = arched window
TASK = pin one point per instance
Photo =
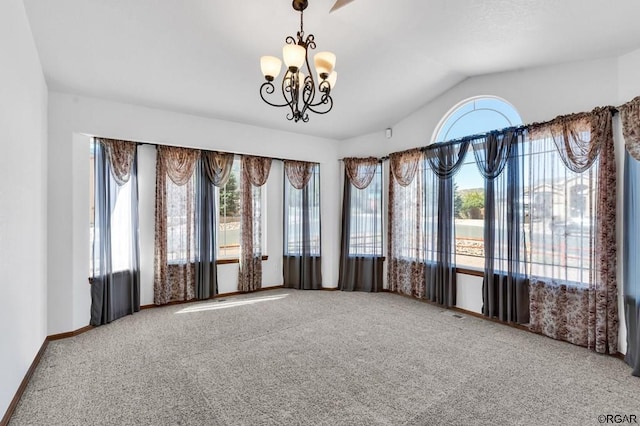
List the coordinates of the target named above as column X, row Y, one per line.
column 476, row 115
column 470, row 117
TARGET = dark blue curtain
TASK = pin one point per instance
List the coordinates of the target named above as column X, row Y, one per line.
column 361, row 264
column 444, row 161
column 631, row 263
column 205, row 229
column 302, row 259
column 115, row 288
column 505, row 289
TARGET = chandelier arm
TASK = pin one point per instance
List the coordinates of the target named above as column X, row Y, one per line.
column 325, row 89
column 325, row 100
column 268, row 88
column 310, row 43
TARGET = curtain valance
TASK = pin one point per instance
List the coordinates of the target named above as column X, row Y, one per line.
column 256, row 169
column 298, row 172
column 121, row 155
column 404, row 165
column 361, row 171
column 492, row 152
column 630, row 115
column 578, row 137
column 178, row 163
column 445, row 160
column 217, row 166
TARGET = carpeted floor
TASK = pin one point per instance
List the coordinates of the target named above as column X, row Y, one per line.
column 320, row 358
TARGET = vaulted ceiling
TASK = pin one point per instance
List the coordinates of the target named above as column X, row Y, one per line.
column 202, row 56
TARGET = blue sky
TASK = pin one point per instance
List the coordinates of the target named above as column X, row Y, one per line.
column 473, row 117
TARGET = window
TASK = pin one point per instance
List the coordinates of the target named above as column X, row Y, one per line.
column 563, row 205
column 302, row 217
column 181, row 210
column 113, row 214
column 474, row 116
column 365, row 230
column 92, row 202
column 409, row 225
column 229, row 215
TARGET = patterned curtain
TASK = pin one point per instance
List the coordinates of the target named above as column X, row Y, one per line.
column 302, row 260
column 115, row 284
column 255, row 171
column 175, row 247
column 361, row 171
column 445, row 161
column 630, row 115
column 298, row 172
column 361, row 260
column 574, row 292
column 407, row 233
column 403, row 165
column 121, row 156
column 505, row 289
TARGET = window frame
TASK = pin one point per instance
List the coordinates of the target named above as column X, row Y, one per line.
column 379, row 201
column 315, row 248
column 224, row 260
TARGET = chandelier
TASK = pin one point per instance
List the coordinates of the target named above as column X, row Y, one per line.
column 299, row 90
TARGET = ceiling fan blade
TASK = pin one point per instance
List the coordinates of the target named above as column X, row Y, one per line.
column 339, row 4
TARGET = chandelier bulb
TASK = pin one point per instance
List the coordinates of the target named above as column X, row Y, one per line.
column 324, row 62
column 332, row 78
column 294, row 55
column 270, row 66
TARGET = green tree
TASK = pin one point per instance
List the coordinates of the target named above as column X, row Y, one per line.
column 230, row 197
column 472, row 203
column 457, row 201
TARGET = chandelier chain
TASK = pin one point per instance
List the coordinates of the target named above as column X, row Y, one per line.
column 301, row 22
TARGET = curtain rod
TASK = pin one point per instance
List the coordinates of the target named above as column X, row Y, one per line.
column 614, row 111
column 459, row 140
column 210, row 150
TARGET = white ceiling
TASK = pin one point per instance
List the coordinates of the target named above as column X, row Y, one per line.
column 202, row 56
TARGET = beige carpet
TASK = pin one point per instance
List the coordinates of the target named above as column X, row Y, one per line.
column 320, row 358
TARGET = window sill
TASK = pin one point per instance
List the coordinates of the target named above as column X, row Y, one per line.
column 469, row 271
column 235, row 260
column 367, row 256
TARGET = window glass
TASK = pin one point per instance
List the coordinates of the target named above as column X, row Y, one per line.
column 365, row 236
column 229, row 215
column 302, row 217
column 562, row 214
column 92, row 203
column 181, row 208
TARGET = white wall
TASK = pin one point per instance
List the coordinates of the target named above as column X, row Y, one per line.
column 538, row 94
column 71, row 118
column 23, row 204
